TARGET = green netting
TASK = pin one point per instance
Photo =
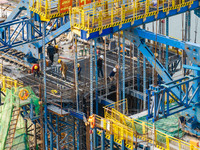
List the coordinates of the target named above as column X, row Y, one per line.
column 12, row 99
column 167, row 125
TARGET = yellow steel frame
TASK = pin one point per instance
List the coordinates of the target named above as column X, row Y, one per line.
column 106, row 14
column 47, row 9
column 146, row 130
column 119, row 131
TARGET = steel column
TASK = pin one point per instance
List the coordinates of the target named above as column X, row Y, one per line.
column 119, row 63
column 123, row 145
column 45, row 92
column 96, row 74
column 138, row 78
column 77, row 92
column 167, row 34
column 51, row 133
column 144, row 82
column 57, row 136
column 111, row 142
column 103, row 140
column 91, row 87
column 123, row 69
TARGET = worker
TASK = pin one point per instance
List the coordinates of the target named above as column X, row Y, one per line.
column 112, row 74
column 63, row 69
column 79, row 71
column 121, row 51
column 50, row 52
column 99, row 66
column 56, row 48
column 35, row 70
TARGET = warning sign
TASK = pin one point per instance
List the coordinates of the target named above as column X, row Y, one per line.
column 65, row 5
column 84, row 2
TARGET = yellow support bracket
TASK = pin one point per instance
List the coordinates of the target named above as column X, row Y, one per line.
column 167, row 142
column 82, row 18
column 146, row 9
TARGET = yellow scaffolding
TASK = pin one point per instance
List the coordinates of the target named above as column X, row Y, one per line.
column 144, row 130
column 105, row 14
column 46, row 9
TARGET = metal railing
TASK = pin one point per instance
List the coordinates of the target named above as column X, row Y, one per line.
column 147, row 132
column 47, row 9
column 7, row 82
column 104, row 14
column 119, row 131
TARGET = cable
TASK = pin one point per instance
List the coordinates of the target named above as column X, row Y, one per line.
column 196, row 27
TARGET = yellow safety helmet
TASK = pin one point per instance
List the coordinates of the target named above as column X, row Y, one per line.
column 55, row 26
column 59, row 61
column 56, row 46
column 49, row 43
column 35, row 67
column 78, row 65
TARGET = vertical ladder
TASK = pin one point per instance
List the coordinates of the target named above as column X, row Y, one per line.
column 12, row 128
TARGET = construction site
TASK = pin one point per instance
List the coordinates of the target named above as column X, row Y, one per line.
column 99, row 75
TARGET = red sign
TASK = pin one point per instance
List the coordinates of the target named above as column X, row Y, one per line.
column 84, row 2
column 65, row 5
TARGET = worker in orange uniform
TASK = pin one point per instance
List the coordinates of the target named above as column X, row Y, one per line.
column 63, row 69
column 121, row 51
column 35, row 70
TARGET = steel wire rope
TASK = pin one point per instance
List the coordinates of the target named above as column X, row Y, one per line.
column 196, row 27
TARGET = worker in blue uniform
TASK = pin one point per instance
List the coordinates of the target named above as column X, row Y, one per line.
column 99, row 66
column 50, row 52
column 112, row 74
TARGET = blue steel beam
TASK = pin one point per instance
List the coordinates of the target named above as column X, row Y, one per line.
column 27, row 43
column 134, row 36
column 192, row 49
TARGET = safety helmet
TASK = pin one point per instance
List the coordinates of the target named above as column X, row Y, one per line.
column 56, row 46
column 59, row 61
column 114, row 69
column 101, row 56
column 35, row 67
column 49, row 43
column 55, row 26
column 78, row 64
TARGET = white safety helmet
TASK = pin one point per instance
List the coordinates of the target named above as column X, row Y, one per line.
column 114, row 69
column 101, row 56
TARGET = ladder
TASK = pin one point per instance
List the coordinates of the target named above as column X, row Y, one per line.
column 12, row 128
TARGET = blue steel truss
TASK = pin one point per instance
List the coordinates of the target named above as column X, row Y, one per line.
column 161, row 97
column 185, row 91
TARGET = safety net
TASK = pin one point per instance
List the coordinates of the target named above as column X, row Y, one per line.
column 16, row 98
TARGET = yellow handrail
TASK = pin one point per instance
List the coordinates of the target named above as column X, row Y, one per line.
column 112, row 13
column 8, row 82
column 145, row 130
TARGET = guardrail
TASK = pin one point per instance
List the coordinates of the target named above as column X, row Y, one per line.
column 101, row 15
column 147, row 132
column 119, row 131
column 8, row 82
